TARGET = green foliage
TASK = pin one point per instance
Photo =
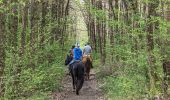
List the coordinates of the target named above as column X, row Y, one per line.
column 44, row 73
column 129, row 78
column 34, row 67
column 35, row 70
column 38, row 96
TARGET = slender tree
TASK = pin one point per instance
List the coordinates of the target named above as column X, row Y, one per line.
column 150, row 41
column 2, row 50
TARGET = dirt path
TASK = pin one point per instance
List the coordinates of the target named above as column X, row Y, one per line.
column 90, row 90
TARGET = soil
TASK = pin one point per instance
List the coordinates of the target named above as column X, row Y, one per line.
column 89, row 91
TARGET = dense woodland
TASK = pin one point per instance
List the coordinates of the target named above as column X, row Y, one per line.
column 130, row 41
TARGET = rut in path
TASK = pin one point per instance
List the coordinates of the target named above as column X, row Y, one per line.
column 89, row 91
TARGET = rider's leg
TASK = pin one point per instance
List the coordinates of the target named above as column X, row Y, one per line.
column 70, row 66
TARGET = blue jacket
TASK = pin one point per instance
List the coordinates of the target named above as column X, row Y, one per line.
column 77, row 54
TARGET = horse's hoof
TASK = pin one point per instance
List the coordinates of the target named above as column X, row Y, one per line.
column 77, row 93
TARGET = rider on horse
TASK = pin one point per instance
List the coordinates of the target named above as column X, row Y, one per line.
column 76, row 68
column 71, row 50
column 87, row 53
column 77, row 54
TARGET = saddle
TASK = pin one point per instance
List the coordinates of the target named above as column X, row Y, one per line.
column 72, row 64
column 85, row 57
column 76, row 61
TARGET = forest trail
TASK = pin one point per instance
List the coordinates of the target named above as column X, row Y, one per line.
column 89, row 91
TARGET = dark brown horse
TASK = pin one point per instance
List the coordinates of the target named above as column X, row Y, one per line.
column 77, row 73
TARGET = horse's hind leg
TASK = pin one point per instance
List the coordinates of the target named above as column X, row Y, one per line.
column 88, row 77
column 88, row 73
column 79, row 85
column 73, row 81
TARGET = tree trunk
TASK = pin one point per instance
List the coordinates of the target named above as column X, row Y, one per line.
column 44, row 13
column 150, row 42
column 2, row 52
column 34, row 17
column 14, row 24
column 24, row 25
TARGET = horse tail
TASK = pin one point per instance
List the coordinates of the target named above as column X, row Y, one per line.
column 88, row 64
column 79, row 85
column 80, row 70
column 80, row 77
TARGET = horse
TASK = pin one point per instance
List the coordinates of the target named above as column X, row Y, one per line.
column 88, row 66
column 77, row 73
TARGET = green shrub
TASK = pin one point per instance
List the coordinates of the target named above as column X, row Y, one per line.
column 42, row 71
